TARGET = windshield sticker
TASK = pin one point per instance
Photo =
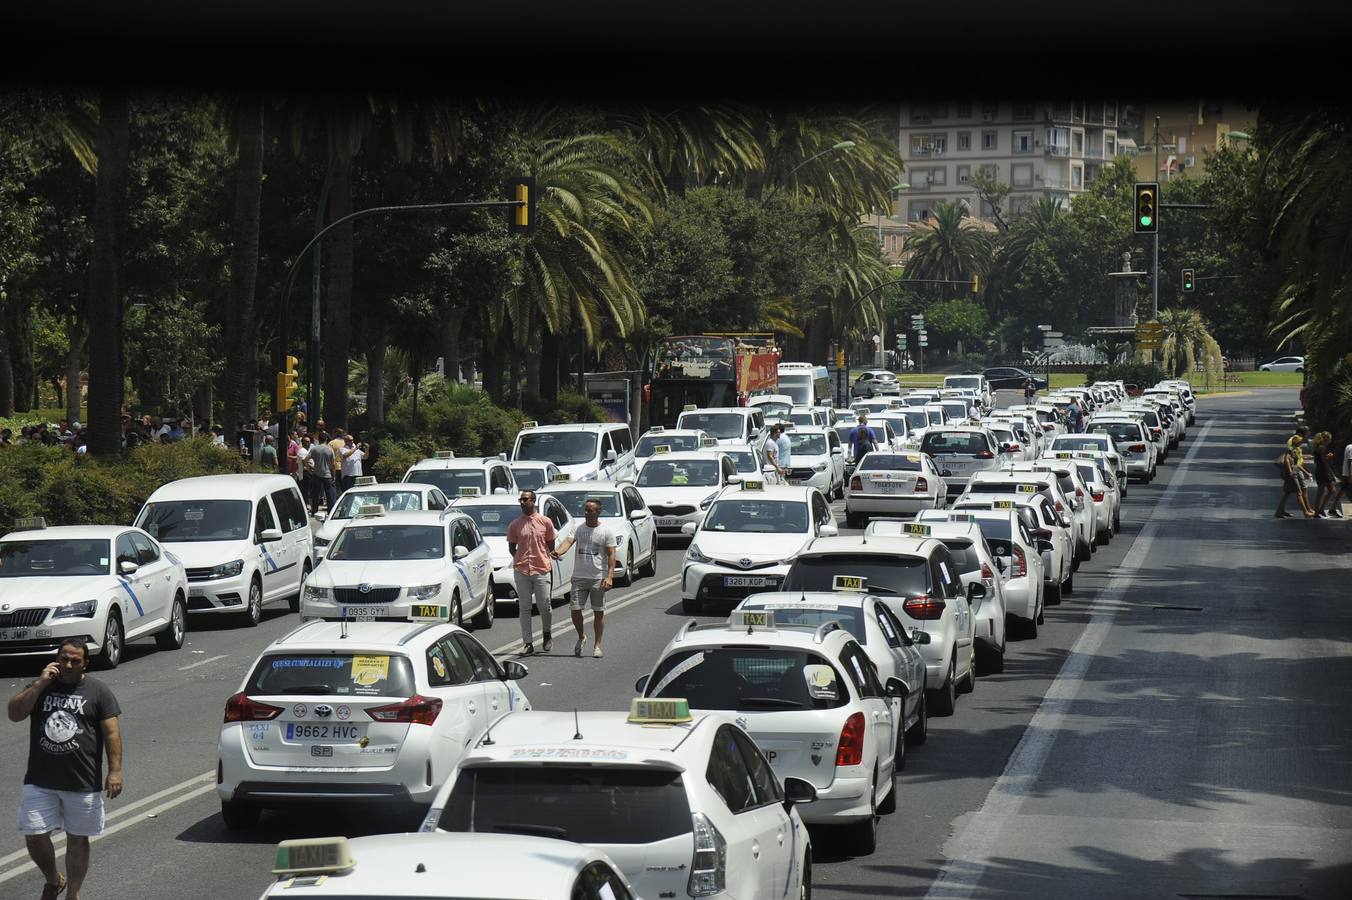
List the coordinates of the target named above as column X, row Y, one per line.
column 492, row 517
column 569, row 753
column 316, row 662
column 103, row 560
column 438, row 665
column 677, row 672
column 193, row 515
column 367, row 670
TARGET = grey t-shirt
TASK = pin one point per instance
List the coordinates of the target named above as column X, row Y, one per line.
column 592, row 556
column 322, row 456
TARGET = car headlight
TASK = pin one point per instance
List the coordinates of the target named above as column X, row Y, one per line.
column 316, row 593
column 228, row 570
column 322, row 542
column 693, row 554
column 82, row 610
column 820, row 467
column 425, row 592
column 708, row 501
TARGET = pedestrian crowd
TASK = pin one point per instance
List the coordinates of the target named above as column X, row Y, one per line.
column 67, row 434
column 1330, row 470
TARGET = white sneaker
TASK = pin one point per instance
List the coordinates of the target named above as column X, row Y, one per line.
column 596, row 654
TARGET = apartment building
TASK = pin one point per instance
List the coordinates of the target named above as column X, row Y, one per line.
column 1040, row 149
column 1189, row 132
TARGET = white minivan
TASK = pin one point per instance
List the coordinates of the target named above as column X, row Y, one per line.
column 583, row 451
column 243, row 539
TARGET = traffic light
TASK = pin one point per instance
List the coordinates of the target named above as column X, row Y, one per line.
column 840, row 359
column 976, row 283
column 286, row 385
column 1147, row 207
column 521, row 218
column 1187, row 279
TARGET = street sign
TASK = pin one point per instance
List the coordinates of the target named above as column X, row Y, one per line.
column 1149, row 330
column 1055, row 334
column 923, row 333
column 1148, row 344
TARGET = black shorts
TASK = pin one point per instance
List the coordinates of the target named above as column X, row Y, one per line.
column 1289, row 485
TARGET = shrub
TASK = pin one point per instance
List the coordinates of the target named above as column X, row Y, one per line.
column 1143, row 374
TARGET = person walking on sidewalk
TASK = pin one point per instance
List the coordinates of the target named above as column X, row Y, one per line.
column 1323, row 473
column 73, row 722
column 1029, row 390
column 321, row 458
column 530, row 538
column 1291, row 483
column 593, row 574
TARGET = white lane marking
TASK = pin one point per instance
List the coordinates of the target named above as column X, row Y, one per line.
column 655, row 588
column 970, row 851
column 202, row 662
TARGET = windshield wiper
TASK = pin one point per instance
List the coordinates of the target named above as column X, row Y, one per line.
column 773, row 701
column 550, row 831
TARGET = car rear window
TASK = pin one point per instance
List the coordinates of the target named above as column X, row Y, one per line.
column 889, row 462
column 340, row 674
column 898, row 575
column 1125, row 432
column 964, row 554
column 970, row 442
column 851, row 618
column 582, row 804
column 740, row 678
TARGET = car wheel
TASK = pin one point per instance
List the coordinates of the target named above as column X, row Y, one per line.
column 253, row 609
column 457, row 613
column 863, row 836
column 171, row 638
column 691, row 606
column 1300, row 370
column 1053, row 594
column 1041, row 617
column 968, row 683
column 918, row 733
column 805, row 887
column 626, row 577
column 1117, row 523
column 945, row 698
column 294, row 602
column 111, row 654
column 239, row 815
column 1068, row 588
column 649, row 569
column 484, row 618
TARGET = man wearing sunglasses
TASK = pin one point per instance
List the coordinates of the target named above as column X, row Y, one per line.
column 530, row 538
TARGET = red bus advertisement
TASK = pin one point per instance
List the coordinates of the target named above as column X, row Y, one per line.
column 709, row 370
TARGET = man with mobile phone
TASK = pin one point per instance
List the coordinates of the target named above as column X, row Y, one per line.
column 73, row 721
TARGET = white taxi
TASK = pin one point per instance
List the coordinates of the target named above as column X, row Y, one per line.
column 748, row 540
column 1074, row 500
column 339, row 712
column 727, row 424
column 625, row 513
column 817, row 458
column 960, row 451
column 1132, row 440
column 684, row 802
column 533, row 474
column 809, row 697
column 892, row 483
column 1055, row 534
column 402, row 496
column 918, row 580
column 684, row 485
column 1102, row 443
column 493, row 515
column 675, row 440
column 464, row 476
column 1159, row 421
column 408, row 866
column 1017, row 557
column 1093, row 468
column 409, row 565
column 102, row 584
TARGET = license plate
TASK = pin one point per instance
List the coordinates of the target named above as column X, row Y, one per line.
column 669, row 523
column 887, row 487
column 336, row 732
column 362, row 613
column 795, row 481
column 747, row 581
column 426, row 611
column 15, row 634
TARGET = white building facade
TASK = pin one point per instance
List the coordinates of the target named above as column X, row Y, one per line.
column 1040, row 149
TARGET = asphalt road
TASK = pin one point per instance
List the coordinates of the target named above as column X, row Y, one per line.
column 1179, row 728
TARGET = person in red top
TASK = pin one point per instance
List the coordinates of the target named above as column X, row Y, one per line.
column 530, row 538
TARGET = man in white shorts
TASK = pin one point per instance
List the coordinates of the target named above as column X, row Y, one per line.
column 593, row 573
column 72, row 723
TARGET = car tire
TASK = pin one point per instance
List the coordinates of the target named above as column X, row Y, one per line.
column 992, row 659
column 945, row 699
column 1102, row 538
column 691, row 606
column 114, row 640
column 238, row 815
column 294, row 602
column 649, row 568
column 1053, row 594
column 176, row 632
column 918, row 733
column 862, row 837
column 968, row 683
column 457, row 611
column 484, row 618
column 1041, row 617
column 252, row 613
column 1068, row 588
column 627, row 578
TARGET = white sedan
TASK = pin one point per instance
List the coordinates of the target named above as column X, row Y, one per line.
column 892, row 483
column 1284, row 364
column 684, row 485
column 629, row 518
column 398, row 496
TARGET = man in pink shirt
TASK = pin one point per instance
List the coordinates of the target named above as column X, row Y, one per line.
column 530, row 538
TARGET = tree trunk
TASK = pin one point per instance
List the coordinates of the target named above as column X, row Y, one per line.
column 18, row 326
column 202, row 403
column 56, row 389
column 6, row 366
column 514, row 362
column 532, row 362
column 241, row 350
column 337, row 337
column 375, row 377
column 79, row 332
column 417, row 380
column 106, row 364
column 450, row 347
column 549, row 366
column 492, row 362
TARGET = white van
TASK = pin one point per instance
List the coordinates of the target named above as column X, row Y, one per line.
column 804, row 382
column 597, row 451
column 243, row 539
column 728, row 424
column 985, row 397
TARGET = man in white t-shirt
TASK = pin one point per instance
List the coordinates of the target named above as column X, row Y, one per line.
column 351, row 462
column 1345, row 486
column 593, row 573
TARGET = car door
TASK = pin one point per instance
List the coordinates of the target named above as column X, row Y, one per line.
column 837, row 457
column 138, row 604
column 821, row 512
column 606, row 449
column 450, row 678
column 480, row 559
column 295, row 526
column 877, row 710
column 623, row 440
column 645, row 530
column 498, row 696
column 779, row 850
column 156, row 575
column 751, row 839
column 899, row 664
column 472, row 570
column 272, row 555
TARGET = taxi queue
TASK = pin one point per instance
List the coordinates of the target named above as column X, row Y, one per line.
column 795, row 711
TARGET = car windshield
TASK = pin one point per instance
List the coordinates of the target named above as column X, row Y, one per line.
column 1088, row 473
column 372, row 542
column 586, row 804
column 196, row 520
column 528, row 479
column 741, row 678
column 889, row 462
column 574, row 501
column 380, row 675
column 680, row 473
column 936, row 416
column 889, row 575
column 897, row 422
column 972, row 382
column 1005, row 487
column 916, row 418
column 353, row 502
column 450, row 480
column 1003, row 435
column 677, row 442
column 750, row 516
column 775, row 410
column 42, row 559
column 956, row 409
column 807, row 444
column 968, row 442
column 492, row 520
column 562, row 448
column 812, row 615
column 802, row 418
column 1073, row 442
column 1122, row 432
column 720, row 425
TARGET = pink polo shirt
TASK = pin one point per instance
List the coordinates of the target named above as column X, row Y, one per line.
column 534, row 539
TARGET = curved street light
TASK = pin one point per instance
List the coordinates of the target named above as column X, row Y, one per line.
column 842, row 145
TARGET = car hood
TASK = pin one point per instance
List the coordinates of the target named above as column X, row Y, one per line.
column 203, row 554
column 382, row 571
column 677, row 495
column 758, row 548
column 22, row 593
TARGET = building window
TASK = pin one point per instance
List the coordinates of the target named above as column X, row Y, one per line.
column 919, row 179
column 939, row 111
column 963, row 111
column 1077, row 178
column 920, row 115
column 1077, row 142
column 1023, row 142
column 1023, row 112
column 919, row 210
column 1021, row 175
column 894, row 242
column 1078, row 111
column 1110, row 145
column 964, row 174
column 939, row 175
column 989, row 140
column 1058, row 141
column 990, row 170
column 990, row 111
column 964, row 140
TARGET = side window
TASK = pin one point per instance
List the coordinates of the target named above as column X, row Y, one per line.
column 263, row 519
column 446, row 665
column 903, row 635
column 885, row 624
column 627, row 501
column 146, row 552
column 637, row 498
column 436, row 500
column 554, row 510
column 833, row 439
column 763, row 778
column 605, row 445
column 820, row 511
column 599, row 882
column 289, row 509
column 729, row 469
column 624, row 441
column 464, row 535
column 485, row 669
column 126, row 551
column 948, row 573
column 861, row 671
column 727, row 772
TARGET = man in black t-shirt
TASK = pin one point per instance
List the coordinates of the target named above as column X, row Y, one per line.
column 72, row 723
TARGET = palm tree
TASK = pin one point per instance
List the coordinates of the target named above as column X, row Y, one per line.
column 1033, row 225
column 693, row 143
column 241, row 351
column 106, row 363
column 949, row 249
column 1186, row 339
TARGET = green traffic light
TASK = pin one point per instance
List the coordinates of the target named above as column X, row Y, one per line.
column 1145, row 221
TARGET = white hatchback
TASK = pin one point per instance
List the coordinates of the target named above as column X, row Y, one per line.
column 684, row 485
column 399, row 496
column 892, row 483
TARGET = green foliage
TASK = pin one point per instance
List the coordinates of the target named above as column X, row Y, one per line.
column 957, row 320
column 454, row 417
column 571, row 407
column 1143, row 374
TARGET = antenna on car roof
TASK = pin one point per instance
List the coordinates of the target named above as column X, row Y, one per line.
column 342, row 629
column 488, row 736
column 577, row 726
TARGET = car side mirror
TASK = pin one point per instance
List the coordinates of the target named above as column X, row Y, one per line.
column 499, row 490
column 828, row 530
column 975, row 591
column 514, row 671
column 919, row 637
column 798, row 791
column 641, row 683
column 734, row 479
column 895, row 687
column 127, row 567
column 268, row 535
column 610, row 456
column 689, row 528
column 460, row 551
column 638, row 515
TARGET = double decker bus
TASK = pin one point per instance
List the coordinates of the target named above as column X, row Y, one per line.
column 709, row 370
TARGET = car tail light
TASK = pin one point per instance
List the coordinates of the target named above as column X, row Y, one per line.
column 1079, row 493
column 1137, row 448
column 1042, row 533
column 856, row 483
column 416, row 710
column 1098, row 496
column 1155, row 432
column 1059, row 507
column 1014, row 448
column 923, row 607
column 1020, row 567
column 241, row 708
column 921, row 485
column 985, row 454
column 987, row 576
column 850, row 749
column 709, row 865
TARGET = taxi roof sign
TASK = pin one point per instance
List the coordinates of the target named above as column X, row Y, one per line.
column 752, row 618
column 30, row 523
column 708, row 442
column 1003, row 504
column 753, row 485
column 371, row 511
column 530, row 423
column 313, row 856
column 1027, row 489
column 662, row 448
column 562, row 476
column 857, row 584
column 444, row 454
column 689, row 407
column 657, row 429
column 364, row 480
column 665, row 711
column 961, row 517
column 470, row 491
column 916, row 528
column 1063, row 454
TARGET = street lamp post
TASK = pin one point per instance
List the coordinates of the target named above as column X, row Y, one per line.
column 1046, row 355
